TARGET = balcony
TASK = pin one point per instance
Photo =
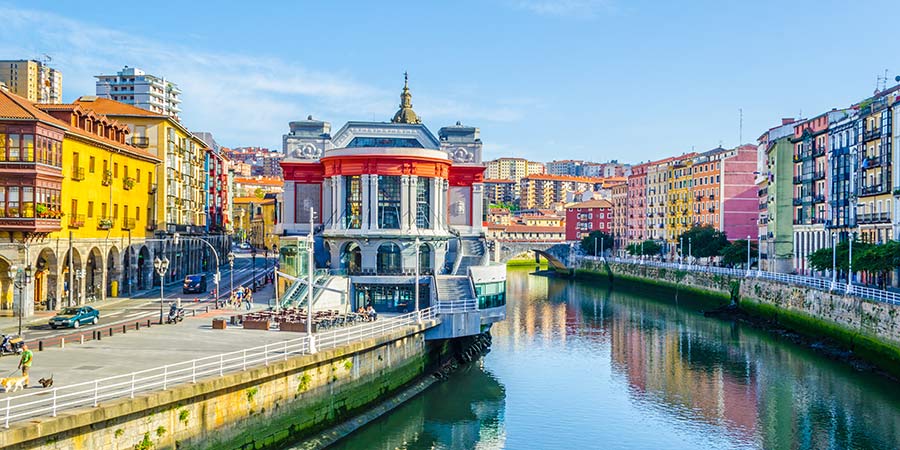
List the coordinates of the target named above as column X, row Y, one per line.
column 818, row 198
column 78, row 173
column 797, row 201
column 874, row 133
column 819, row 175
column 151, row 226
column 712, row 197
column 128, row 224
column 76, row 221
column 798, row 179
column 872, row 190
column 140, row 141
column 128, row 183
column 818, row 151
column 152, row 188
column 881, row 217
column 105, row 223
column 872, row 162
column 107, row 178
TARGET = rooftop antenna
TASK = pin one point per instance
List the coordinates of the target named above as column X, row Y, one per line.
column 881, row 81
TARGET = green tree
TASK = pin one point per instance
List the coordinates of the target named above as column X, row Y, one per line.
column 821, row 259
column 736, row 252
column 649, row 247
column 259, row 193
column 601, row 239
column 705, row 241
column 877, row 259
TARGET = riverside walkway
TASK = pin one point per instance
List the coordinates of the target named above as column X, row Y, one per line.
column 161, row 357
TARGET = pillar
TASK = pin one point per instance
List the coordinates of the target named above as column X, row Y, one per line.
column 413, row 201
column 477, row 205
column 436, row 184
column 327, row 212
column 337, row 195
column 366, row 191
column 404, row 202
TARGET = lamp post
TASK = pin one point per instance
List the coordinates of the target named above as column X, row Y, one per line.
column 161, row 266
column 311, row 262
column 253, row 261
column 417, row 244
column 759, row 255
column 748, row 255
column 852, row 236
column 20, row 281
column 690, row 250
column 231, row 272
column 681, row 250
column 833, row 260
column 79, row 275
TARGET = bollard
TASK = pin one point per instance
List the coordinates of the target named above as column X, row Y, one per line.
column 123, row 328
column 82, row 339
column 193, row 313
column 137, row 326
column 62, row 343
column 110, row 331
column 99, row 336
column 207, row 309
column 40, row 346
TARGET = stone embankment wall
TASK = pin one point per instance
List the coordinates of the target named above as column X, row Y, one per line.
column 870, row 329
column 255, row 409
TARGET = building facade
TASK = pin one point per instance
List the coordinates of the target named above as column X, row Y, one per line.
column 132, row 86
column 637, row 201
column 584, row 217
column 34, row 80
column 875, row 181
column 779, row 209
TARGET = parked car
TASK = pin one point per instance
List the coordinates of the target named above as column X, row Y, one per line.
column 194, row 284
column 244, row 246
column 75, row 317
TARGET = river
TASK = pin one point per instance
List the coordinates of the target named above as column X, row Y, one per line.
column 577, row 366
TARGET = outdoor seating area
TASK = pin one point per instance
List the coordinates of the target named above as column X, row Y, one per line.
column 295, row 319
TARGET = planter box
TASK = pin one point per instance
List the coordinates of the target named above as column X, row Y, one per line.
column 219, row 324
column 257, row 325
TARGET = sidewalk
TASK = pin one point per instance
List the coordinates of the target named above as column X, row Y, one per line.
column 11, row 324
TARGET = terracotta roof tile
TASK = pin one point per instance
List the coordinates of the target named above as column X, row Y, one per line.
column 591, row 204
column 113, row 108
column 14, row 107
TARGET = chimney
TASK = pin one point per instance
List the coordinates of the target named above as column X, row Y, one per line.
column 787, row 120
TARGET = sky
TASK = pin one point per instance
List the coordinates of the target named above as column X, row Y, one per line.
column 568, row 79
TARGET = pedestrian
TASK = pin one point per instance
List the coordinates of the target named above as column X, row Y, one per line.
column 25, row 361
column 248, row 297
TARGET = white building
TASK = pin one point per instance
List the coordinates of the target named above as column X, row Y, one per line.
column 135, row 87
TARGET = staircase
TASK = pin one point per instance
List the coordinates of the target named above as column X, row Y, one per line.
column 451, row 287
column 472, row 251
column 296, row 295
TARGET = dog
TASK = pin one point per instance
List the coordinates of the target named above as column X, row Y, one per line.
column 13, row 384
column 46, row 382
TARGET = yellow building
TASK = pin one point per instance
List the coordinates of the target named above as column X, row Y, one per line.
column 679, row 216
column 179, row 185
column 104, row 209
column 33, row 80
column 255, row 220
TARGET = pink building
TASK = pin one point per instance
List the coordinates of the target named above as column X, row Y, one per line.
column 739, row 194
column 637, row 204
column 584, row 217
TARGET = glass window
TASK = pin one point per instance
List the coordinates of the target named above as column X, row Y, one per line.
column 389, row 260
column 27, row 201
column 424, row 258
column 423, row 208
column 384, row 142
column 388, row 202
column 12, row 201
column 353, row 202
column 14, row 147
column 28, row 147
column 2, row 146
column 2, row 201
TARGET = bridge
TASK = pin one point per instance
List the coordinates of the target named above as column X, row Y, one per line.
column 503, row 251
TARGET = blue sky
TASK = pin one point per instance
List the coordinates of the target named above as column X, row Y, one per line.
column 587, row 79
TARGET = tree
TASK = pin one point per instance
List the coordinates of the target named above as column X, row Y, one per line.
column 649, row 247
column 736, row 252
column 509, row 206
column 259, row 193
column 601, row 239
column 878, row 259
column 821, row 259
column 704, row 241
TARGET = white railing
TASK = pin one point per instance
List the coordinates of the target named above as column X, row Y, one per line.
column 91, row 393
column 822, row 284
column 456, row 306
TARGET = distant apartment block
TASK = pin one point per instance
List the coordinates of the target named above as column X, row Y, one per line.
column 34, row 80
column 133, row 86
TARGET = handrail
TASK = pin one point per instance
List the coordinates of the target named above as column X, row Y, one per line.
column 91, row 393
column 822, row 284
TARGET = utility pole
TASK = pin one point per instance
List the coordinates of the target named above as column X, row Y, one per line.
column 311, row 262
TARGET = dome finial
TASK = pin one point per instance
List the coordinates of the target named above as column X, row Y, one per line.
column 406, row 114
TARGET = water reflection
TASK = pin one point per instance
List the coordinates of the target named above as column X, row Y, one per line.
column 587, row 367
column 464, row 412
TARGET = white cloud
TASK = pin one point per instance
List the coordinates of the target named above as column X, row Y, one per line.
column 242, row 99
column 583, row 9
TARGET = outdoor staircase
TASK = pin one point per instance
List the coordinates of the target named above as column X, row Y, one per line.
column 296, row 296
column 472, row 251
column 452, row 287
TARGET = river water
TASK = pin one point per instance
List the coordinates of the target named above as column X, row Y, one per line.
column 576, row 366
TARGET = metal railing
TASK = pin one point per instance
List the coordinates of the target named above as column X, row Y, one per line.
column 91, row 393
column 822, row 284
column 456, row 306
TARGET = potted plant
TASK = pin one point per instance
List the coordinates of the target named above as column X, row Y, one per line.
column 107, row 177
column 41, row 210
column 129, row 182
column 105, row 223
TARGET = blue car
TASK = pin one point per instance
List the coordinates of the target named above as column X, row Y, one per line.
column 75, row 317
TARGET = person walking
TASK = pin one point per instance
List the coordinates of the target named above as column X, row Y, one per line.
column 25, row 361
column 248, row 297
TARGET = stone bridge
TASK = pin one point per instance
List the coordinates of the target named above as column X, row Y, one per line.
column 503, row 251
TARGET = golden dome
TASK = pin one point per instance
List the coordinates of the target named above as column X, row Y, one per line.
column 406, row 114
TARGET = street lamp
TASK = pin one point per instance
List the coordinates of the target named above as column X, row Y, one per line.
column 161, row 266
column 20, row 283
column 852, row 236
column 417, row 244
column 690, row 250
column 748, row 255
column 231, row 273
column 79, row 275
column 833, row 260
column 253, row 261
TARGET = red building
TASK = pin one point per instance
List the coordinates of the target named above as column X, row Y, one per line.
column 584, row 217
column 217, row 201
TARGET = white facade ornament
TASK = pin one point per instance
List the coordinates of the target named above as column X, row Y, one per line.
column 462, row 155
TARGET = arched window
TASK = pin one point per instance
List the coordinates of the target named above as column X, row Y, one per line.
column 351, row 257
column 389, row 260
column 424, row 258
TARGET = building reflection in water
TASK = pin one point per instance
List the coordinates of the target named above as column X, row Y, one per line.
column 466, row 411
